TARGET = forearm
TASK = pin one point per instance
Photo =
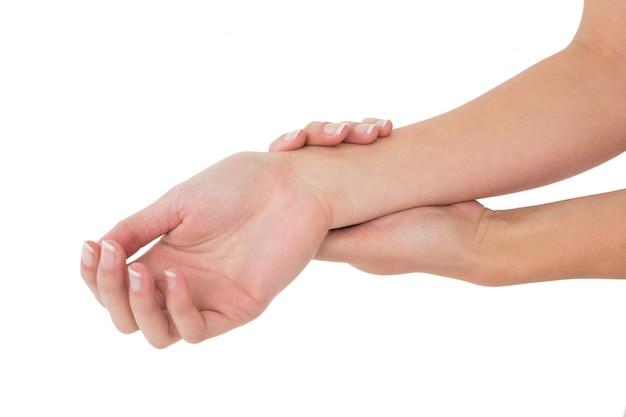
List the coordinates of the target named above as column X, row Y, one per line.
column 579, row 238
column 558, row 118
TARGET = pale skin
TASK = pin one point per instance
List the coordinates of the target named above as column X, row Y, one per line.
column 235, row 235
column 577, row 238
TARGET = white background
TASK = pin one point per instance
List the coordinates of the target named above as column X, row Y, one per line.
column 104, row 105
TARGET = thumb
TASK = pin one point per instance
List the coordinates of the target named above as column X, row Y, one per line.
column 340, row 245
column 143, row 227
column 363, row 247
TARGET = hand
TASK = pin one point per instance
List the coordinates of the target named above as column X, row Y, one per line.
column 232, row 238
column 437, row 240
column 330, row 134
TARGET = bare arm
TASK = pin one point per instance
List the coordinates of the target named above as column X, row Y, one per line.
column 236, row 234
column 579, row 238
column 560, row 117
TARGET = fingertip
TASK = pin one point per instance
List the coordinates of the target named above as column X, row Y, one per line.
column 362, row 133
column 89, row 254
column 289, row 141
column 171, row 278
column 177, row 289
column 187, row 319
column 147, row 307
column 363, row 129
column 291, row 136
column 112, row 255
column 140, row 279
column 335, row 130
column 89, row 259
column 135, row 280
column 384, row 127
column 326, row 133
column 274, row 146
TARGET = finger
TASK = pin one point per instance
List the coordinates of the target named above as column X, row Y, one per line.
column 341, row 245
column 326, row 133
column 352, row 245
column 289, row 141
column 155, row 323
column 89, row 259
column 361, row 133
column 385, row 126
column 143, row 227
column 337, row 246
column 368, row 131
column 193, row 325
column 112, row 284
column 315, row 133
column 331, row 134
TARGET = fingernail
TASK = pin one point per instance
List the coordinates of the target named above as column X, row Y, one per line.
column 291, row 135
column 134, row 278
column 382, row 123
column 364, row 128
column 334, row 129
column 171, row 280
column 107, row 255
column 87, row 255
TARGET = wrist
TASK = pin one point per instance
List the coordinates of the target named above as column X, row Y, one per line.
column 576, row 238
column 359, row 183
column 487, row 262
column 326, row 174
column 305, row 178
column 522, row 245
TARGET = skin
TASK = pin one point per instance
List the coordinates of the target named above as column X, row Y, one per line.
column 331, row 134
column 575, row 238
column 222, row 269
column 235, row 235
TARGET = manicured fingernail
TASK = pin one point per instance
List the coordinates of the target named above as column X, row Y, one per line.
column 171, row 280
column 107, row 255
column 87, row 256
column 134, row 278
column 291, row 135
column 364, row 128
column 334, row 129
column 382, row 123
